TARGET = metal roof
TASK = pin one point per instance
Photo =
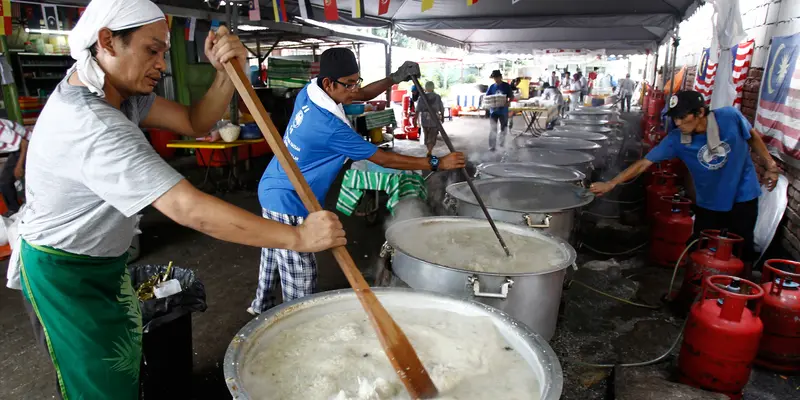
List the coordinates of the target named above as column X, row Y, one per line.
column 498, row 26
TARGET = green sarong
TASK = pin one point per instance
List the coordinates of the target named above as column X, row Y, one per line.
column 397, row 186
column 91, row 320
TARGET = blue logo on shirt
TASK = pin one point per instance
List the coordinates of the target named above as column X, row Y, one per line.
column 714, row 159
column 298, row 119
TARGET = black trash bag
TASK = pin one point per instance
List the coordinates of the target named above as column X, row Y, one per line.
column 157, row 312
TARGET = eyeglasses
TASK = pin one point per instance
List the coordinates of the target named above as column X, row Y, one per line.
column 350, row 86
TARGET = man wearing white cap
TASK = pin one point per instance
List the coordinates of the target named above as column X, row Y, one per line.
column 90, row 170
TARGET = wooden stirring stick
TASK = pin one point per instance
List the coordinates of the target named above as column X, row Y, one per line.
column 395, row 343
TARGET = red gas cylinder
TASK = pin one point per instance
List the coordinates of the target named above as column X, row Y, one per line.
column 721, row 337
column 646, row 100
column 663, row 185
column 780, row 346
column 649, row 124
column 714, row 256
column 655, row 104
column 663, row 166
column 653, row 137
column 670, row 232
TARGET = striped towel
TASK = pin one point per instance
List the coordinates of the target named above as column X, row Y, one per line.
column 375, row 119
column 397, row 186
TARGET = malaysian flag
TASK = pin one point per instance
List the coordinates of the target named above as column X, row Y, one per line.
column 707, row 71
column 778, row 115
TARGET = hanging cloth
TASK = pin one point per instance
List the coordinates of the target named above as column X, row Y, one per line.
column 728, row 32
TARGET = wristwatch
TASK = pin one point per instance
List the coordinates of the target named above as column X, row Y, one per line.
column 434, row 162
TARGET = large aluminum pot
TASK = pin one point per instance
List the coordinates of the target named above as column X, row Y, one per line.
column 595, row 114
column 532, row 347
column 584, row 127
column 585, row 122
column 559, row 143
column 598, row 138
column 532, row 298
column 535, row 203
column 562, row 158
column 530, row 170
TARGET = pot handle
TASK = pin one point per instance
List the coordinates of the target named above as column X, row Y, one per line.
column 383, row 276
column 543, row 225
column 475, row 283
column 386, row 250
column 450, row 203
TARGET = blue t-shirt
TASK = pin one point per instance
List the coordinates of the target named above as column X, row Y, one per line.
column 722, row 177
column 503, row 88
column 320, row 143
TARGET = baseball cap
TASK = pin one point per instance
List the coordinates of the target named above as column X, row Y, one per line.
column 685, row 102
column 495, row 73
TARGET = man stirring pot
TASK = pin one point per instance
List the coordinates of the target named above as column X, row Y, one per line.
column 90, row 170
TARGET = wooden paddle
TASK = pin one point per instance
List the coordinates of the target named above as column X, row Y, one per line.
column 395, row 343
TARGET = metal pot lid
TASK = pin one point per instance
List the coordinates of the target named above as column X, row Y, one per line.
column 406, row 236
column 549, row 156
column 560, row 143
column 590, row 128
column 585, row 122
column 577, row 134
column 531, row 170
column 526, row 195
column 591, row 111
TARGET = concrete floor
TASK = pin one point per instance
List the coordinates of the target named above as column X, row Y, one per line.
column 591, row 329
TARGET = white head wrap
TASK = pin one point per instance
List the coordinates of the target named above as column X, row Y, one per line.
column 112, row 14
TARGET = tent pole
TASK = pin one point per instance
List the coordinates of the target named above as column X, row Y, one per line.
column 666, row 66
column 388, row 61
column 675, row 42
column 655, row 70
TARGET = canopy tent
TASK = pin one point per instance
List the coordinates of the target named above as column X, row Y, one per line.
column 498, row 26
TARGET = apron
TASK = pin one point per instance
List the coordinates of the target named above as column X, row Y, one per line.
column 91, row 320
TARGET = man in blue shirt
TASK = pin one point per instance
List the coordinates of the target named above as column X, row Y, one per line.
column 716, row 149
column 320, row 139
column 498, row 114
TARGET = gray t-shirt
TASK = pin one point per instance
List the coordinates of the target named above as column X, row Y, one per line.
column 626, row 86
column 428, row 118
column 89, row 171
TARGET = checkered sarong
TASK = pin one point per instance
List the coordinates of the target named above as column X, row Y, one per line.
column 297, row 271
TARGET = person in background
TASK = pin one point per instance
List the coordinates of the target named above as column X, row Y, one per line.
column 321, row 140
column 90, row 170
column 553, row 95
column 498, row 114
column 715, row 146
column 592, row 79
column 427, row 118
column 584, row 86
column 554, row 82
column 13, row 139
column 574, row 92
column 626, row 88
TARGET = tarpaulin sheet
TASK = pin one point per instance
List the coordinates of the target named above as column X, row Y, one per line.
column 495, row 26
